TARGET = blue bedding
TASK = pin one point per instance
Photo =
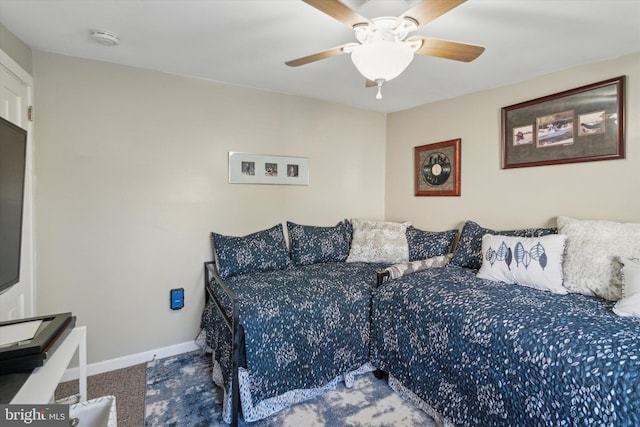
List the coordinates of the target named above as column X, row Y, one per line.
column 482, row 353
column 304, row 327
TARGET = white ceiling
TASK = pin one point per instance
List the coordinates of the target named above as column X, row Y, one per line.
column 245, row 42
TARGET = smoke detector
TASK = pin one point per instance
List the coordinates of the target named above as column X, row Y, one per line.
column 106, row 38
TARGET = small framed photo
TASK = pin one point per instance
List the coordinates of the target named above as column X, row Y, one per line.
column 523, row 135
column 437, row 169
column 592, row 123
column 554, row 129
column 245, row 168
column 293, row 170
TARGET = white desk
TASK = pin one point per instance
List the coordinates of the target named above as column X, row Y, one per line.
column 41, row 384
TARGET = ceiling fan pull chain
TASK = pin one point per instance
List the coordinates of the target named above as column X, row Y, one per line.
column 379, row 94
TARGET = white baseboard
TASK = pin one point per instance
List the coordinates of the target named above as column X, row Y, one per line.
column 134, row 359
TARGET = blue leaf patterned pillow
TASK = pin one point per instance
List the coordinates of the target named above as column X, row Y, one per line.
column 468, row 252
column 265, row 250
column 428, row 244
column 313, row 245
column 535, row 262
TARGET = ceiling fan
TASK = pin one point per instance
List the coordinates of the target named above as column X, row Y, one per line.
column 385, row 48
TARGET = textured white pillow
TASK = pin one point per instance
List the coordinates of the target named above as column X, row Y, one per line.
column 629, row 305
column 378, row 241
column 591, row 264
column 535, row 262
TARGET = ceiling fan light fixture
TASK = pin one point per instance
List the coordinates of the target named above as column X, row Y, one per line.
column 385, row 50
column 382, row 60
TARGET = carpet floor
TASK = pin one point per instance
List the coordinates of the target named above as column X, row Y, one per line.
column 128, row 385
column 178, row 391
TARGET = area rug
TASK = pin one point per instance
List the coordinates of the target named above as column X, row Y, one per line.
column 180, row 392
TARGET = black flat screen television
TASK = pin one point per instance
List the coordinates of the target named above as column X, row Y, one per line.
column 13, row 154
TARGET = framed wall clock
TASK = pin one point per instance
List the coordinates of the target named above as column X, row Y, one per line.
column 437, row 169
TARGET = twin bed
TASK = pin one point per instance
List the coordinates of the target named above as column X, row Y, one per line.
column 302, row 331
column 473, row 352
column 466, row 350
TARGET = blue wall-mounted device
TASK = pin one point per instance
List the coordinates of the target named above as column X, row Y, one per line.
column 177, row 298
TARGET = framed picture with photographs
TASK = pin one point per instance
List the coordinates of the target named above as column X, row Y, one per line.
column 578, row 125
column 247, row 168
column 437, row 169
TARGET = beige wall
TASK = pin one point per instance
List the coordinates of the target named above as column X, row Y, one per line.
column 16, row 49
column 131, row 169
column 499, row 198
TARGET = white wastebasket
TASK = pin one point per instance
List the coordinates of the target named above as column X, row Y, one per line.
column 99, row 412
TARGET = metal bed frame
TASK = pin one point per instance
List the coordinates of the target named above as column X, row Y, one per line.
column 238, row 357
column 380, row 276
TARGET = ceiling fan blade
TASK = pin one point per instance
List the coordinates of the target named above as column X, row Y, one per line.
column 447, row 49
column 370, row 83
column 339, row 11
column 334, row 51
column 428, row 10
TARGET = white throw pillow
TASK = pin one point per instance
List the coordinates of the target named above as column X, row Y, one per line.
column 378, row 241
column 591, row 264
column 629, row 305
column 535, row 262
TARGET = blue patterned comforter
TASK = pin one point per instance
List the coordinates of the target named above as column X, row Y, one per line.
column 304, row 327
column 482, row 353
